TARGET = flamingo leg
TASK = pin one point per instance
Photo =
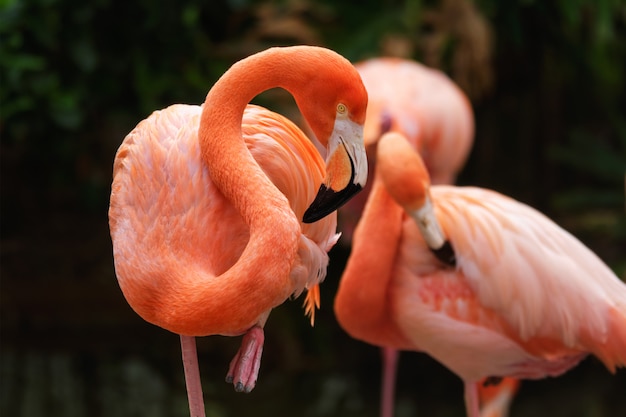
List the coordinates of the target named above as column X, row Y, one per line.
column 244, row 368
column 390, row 368
column 192, row 376
column 471, row 399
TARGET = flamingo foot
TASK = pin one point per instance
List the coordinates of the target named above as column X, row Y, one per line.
column 244, row 368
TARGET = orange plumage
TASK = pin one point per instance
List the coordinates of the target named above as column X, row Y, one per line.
column 221, row 212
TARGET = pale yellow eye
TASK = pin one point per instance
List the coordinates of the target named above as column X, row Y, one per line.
column 341, row 108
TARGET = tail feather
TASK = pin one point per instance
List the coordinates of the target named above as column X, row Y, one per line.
column 311, row 302
column 612, row 350
column 615, row 352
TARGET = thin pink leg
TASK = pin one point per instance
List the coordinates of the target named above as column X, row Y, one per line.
column 471, row 399
column 244, row 368
column 390, row 367
column 192, row 376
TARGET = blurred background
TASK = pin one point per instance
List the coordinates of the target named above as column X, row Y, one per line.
column 547, row 82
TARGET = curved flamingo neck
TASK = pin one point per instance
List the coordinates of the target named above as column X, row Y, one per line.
column 362, row 303
column 260, row 279
column 223, row 149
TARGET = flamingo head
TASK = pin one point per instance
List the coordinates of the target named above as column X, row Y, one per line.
column 406, row 179
column 335, row 112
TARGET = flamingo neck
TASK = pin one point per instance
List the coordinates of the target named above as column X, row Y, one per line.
column 362, row 304
column 231, row 166
column 260, row 279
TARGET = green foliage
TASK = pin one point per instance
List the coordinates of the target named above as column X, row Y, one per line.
column 65, row 61
column 77, row 76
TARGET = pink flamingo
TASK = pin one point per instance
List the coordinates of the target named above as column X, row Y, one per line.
column 484, row 284
column 437, row 118
column 208, row 213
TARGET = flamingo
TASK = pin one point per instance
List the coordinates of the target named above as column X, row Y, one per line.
column 484, row 284
column 208, row 212
column 437, row 118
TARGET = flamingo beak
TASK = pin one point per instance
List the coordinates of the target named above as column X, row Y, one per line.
column 431, row 231
column 346, row 170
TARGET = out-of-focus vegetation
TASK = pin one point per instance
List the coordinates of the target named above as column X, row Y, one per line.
column 547, row 81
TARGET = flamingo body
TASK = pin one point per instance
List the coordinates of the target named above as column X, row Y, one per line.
column 521, row 297
column 190, row 228
column 208, row 211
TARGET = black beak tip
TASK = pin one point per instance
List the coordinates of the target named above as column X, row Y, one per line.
column 329, row 200
column 446, row 254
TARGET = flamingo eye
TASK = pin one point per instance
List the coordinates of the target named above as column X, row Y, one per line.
column 341, row 108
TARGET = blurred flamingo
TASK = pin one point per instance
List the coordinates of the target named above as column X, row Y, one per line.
column 437, row 118
column 206, row 203
column 484, row 284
